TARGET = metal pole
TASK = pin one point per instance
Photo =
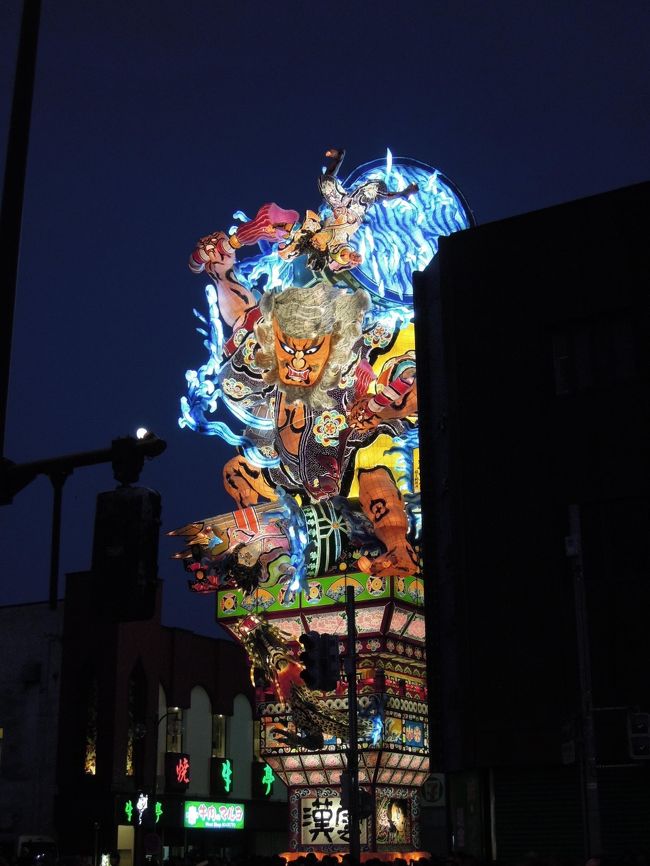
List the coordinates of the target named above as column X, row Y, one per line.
column 588, row 751
column 96, row 826
column 13, row 191
column 353, row 745
column 158, row 723
column 58, row 480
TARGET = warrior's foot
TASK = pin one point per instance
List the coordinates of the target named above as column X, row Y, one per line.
column 400, row 561
column 336, row 155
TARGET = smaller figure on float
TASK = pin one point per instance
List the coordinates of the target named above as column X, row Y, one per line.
column 326, row 240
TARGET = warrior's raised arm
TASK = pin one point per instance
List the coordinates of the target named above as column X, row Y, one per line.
column 215, row 255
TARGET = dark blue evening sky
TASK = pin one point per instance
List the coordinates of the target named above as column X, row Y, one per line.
column 154, row 121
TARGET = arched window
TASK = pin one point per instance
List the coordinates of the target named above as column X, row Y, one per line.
column 175, row 730
column 136, row 728
column 198, row 730
column 90, row 755
column 218, row 736
column 240, row 747
column 161, row 738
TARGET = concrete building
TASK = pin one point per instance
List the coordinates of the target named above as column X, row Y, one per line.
column 96, row 715
column 533, row 338
column 30, row 679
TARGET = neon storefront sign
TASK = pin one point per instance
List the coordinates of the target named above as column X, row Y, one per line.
column 213, row 816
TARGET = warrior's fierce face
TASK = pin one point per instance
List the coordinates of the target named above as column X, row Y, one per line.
column 301, row 361
column 306, row 338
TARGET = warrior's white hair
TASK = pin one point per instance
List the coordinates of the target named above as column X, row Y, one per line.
column 306, row 314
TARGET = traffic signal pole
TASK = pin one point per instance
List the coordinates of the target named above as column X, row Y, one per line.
column 353, row 745
column 588, row 771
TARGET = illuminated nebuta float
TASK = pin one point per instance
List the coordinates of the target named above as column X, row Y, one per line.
column 311, row 354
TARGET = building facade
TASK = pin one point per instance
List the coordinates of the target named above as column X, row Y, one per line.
column 129, row 737
column 533, row 341
column 30, row 678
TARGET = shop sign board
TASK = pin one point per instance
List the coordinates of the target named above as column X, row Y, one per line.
column 213, row 816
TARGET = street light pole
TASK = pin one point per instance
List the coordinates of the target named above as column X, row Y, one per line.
column 139, row 852
column 171, row 711
column 353, row 745
column 127, row 456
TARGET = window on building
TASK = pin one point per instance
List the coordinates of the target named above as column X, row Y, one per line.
column 593, row 353
column 174, row 729
column 90, row 757
column 136, row 730
column 257, row 734
column 218, row 736
column 161, row 738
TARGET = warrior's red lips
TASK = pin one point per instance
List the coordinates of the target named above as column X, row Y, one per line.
column 298, row 375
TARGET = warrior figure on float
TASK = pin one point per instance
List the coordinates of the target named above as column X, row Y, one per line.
column 302, row 358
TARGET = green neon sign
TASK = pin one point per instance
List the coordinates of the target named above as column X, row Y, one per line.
column 213, row 816
column 128, row 810
column 268, row 779
column 226, row 775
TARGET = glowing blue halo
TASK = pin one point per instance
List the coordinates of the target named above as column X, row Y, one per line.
column 400, row 236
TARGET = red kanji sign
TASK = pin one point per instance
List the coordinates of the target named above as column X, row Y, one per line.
column 177, row 771
column 183, row 770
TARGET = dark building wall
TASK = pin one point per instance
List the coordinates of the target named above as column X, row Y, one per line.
column 30, row 669
column 529, row 802
column 532, row 339
column 113, row 654
column 223, row 672
column 102, row 654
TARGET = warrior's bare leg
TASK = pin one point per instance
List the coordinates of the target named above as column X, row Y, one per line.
column 245, row 482
column 401, row 193
column 382, row 504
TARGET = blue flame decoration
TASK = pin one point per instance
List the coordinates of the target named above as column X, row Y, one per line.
column 403, row 447
column 265, row 271
column 299, row 543
column 377, row 730
column 374, row 709
column 389, row 162
column 413, row 505
column 400, row 236
column 203, row 395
